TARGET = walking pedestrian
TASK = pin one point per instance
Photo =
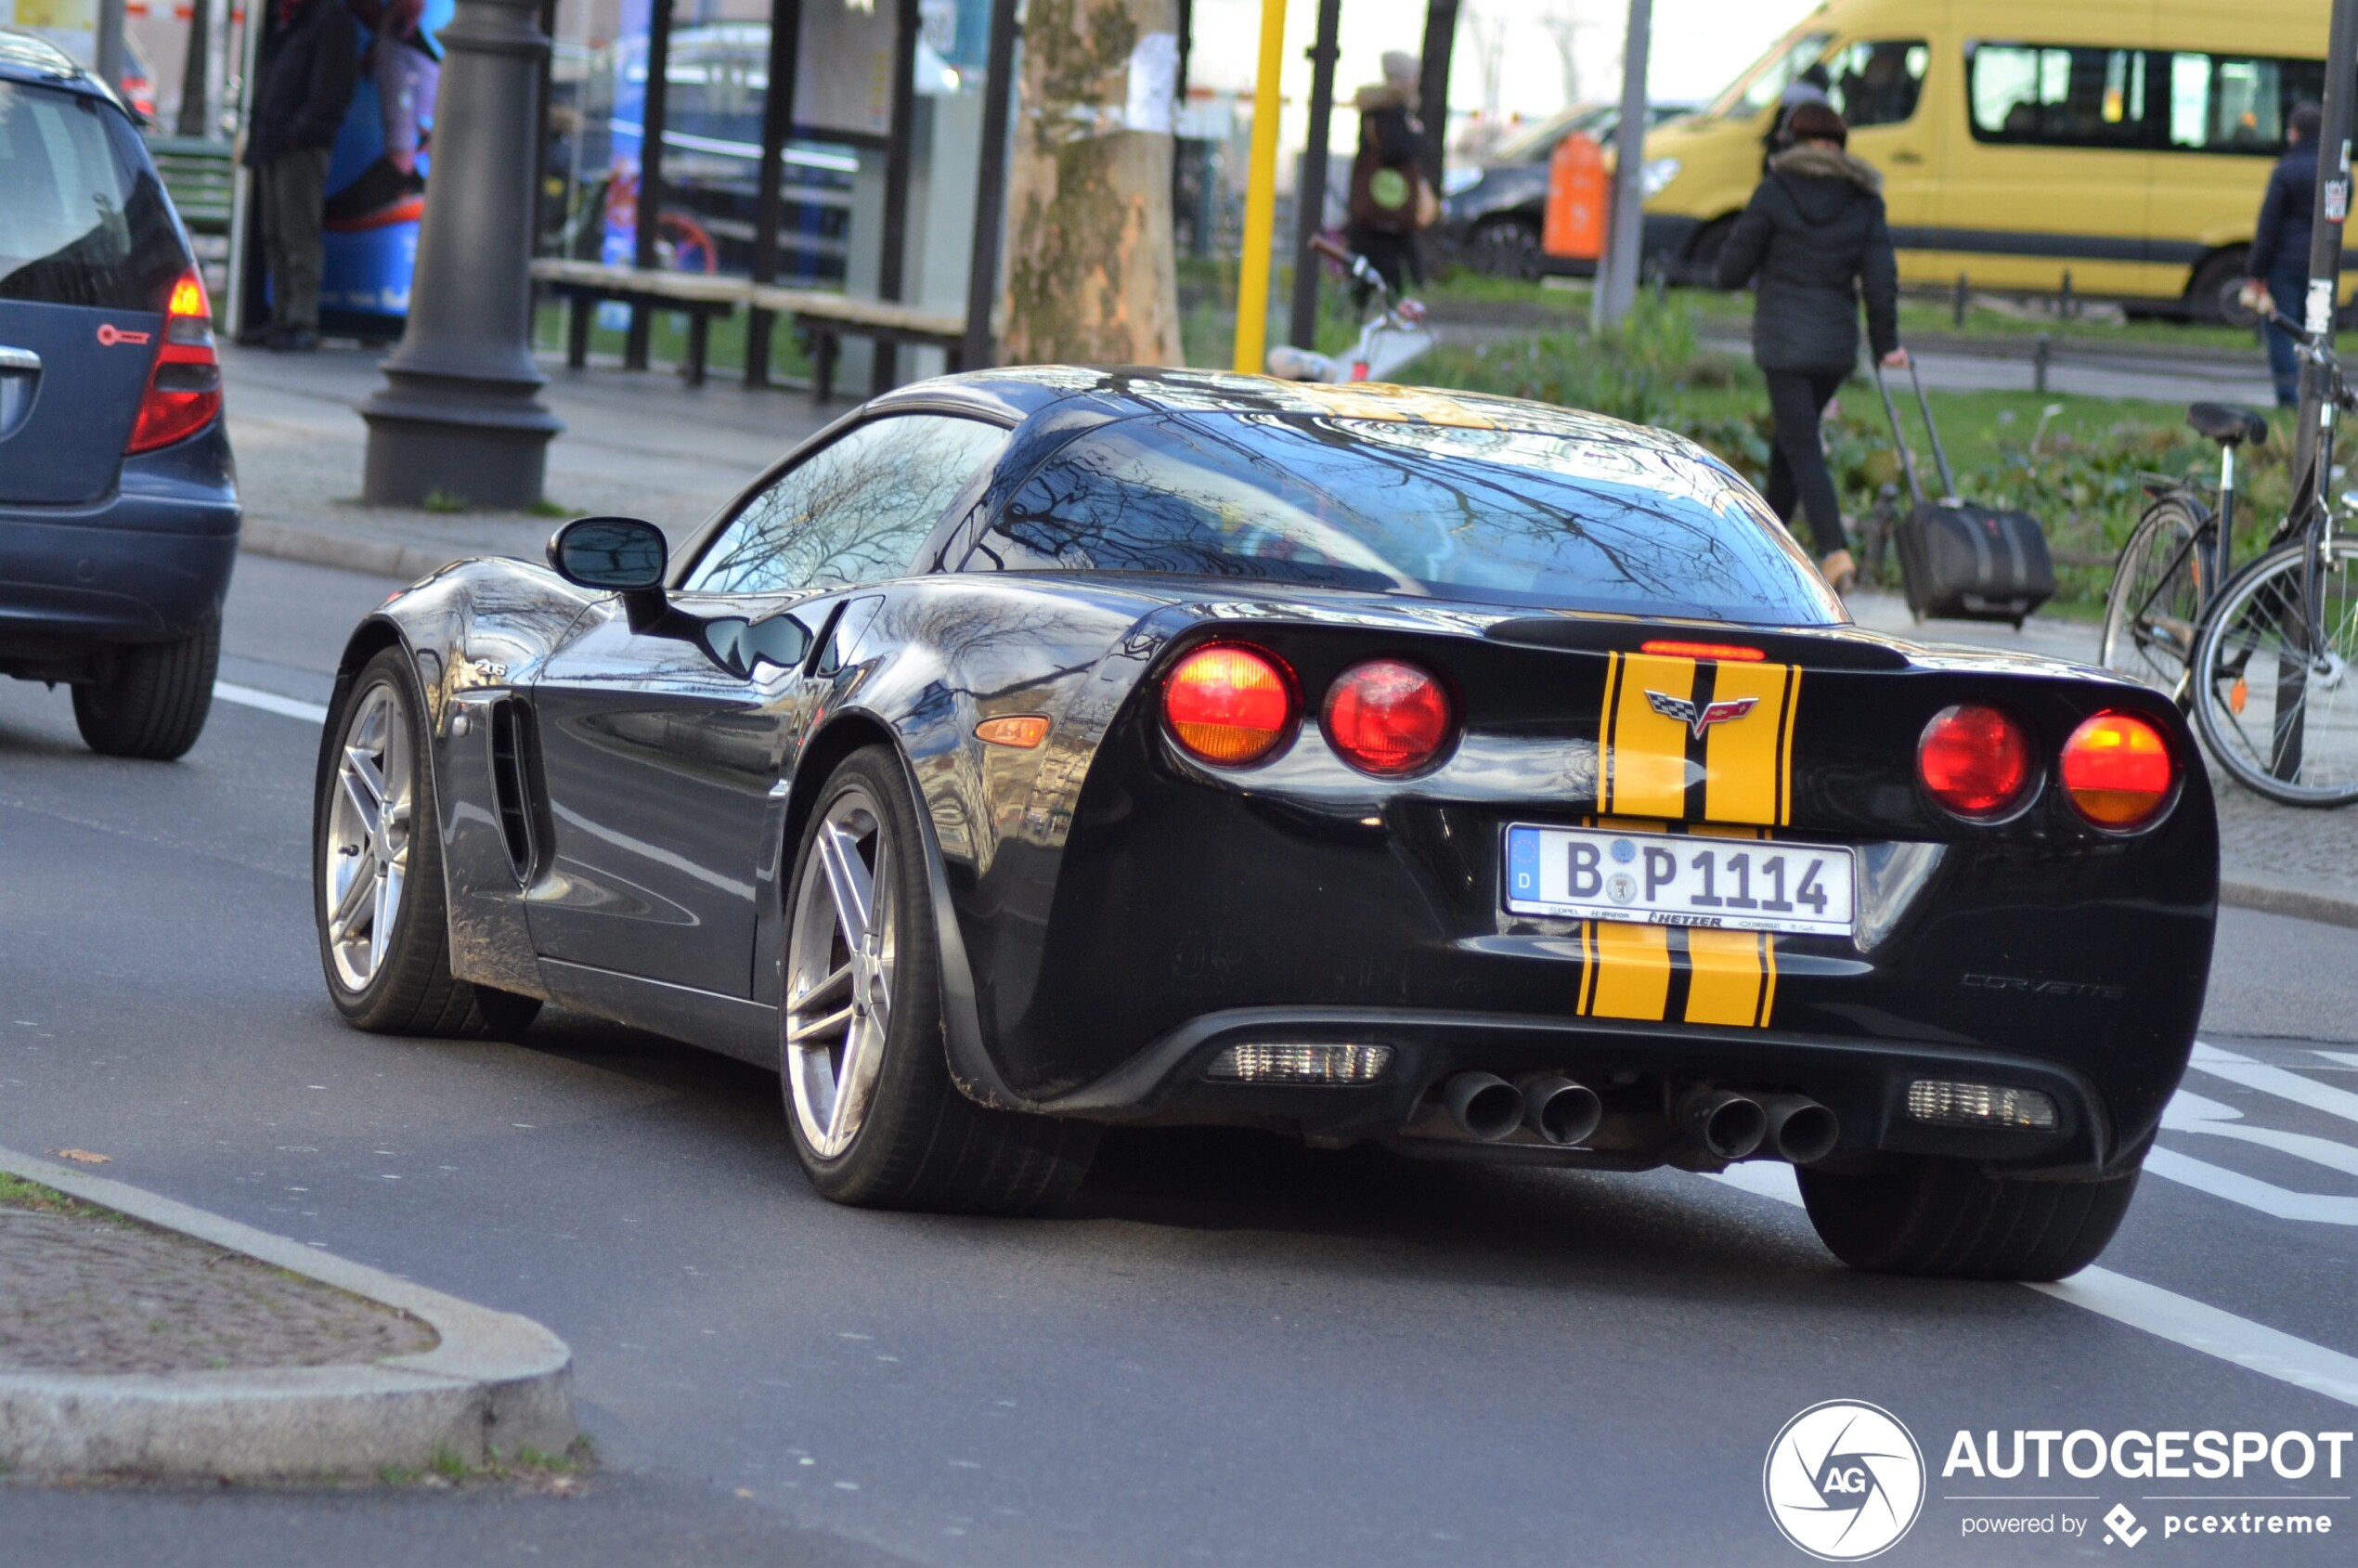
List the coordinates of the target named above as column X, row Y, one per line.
column 308, row 65
column 1814, row 237
column 1389, row 198
column 2278, row 267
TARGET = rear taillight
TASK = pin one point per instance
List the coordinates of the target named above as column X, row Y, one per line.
column 1976, row 762
column 2117, row 771
column 1388, row 718
column 1229, row 703
column 184, row 385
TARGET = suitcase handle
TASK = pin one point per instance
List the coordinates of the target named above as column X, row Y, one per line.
column 1907, row 457
column 1900, row 439
column 1939, row 453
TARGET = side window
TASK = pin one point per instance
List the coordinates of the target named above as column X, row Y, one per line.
column 1878, row 84
column 853, row 512
column 2035, row 95
column 2220, row 103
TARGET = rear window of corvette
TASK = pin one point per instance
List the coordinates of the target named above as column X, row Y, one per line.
column 84, row 220
column 1491, row 515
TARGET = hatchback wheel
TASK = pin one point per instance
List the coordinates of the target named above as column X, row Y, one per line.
column 863, row 1054
column 385, row 929
column 151, row 699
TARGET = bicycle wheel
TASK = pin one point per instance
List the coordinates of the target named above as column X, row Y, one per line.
column 2154, row 603
column 2274, row 697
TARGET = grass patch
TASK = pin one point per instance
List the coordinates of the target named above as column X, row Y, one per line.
column 18, row 1193
column 528, row 1469
column 668, row 341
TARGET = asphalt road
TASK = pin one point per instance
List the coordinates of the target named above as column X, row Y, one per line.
column 1234, row 1352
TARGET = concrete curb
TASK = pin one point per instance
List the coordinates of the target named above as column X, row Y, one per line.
column 2246, row 889
column 319, row 547
column 495, row 1379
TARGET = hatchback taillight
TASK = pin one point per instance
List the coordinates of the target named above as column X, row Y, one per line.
column 1387, row 717
column 1229, row 703
column 2117, row 771
column 184, row 385
column 1975, row 760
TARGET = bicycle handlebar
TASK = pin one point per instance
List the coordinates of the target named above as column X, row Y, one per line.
column 1333, row 251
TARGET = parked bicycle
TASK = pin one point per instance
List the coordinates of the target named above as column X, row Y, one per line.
column 1392, row 338
column 2262, row 655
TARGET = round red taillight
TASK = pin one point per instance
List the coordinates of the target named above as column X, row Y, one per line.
column 1229, row 704
column 1976, row 762
column 1387, row 717
column 2117, row 771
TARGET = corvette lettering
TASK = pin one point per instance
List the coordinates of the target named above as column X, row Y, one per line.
column 2045, row 988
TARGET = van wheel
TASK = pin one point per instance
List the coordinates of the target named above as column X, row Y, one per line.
column 2211, row 297
column 152, row 700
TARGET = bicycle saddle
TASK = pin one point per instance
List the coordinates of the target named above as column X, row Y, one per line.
column 2228, row 426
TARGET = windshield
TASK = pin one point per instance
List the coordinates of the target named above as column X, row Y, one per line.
column 83, row 220
column 1390, row 506
column 1536, row 141
column 1765, row 82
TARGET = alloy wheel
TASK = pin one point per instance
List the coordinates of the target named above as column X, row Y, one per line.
column 840, row 950
column 368, row 834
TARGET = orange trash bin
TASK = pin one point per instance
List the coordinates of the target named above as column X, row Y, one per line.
column 1574, row 226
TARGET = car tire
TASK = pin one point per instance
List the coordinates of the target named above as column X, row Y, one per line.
column 2213, row 296
column 1924, row 1215
column 864, row 1061
column 151, row 699
column 401, row 984
column 1507, row 248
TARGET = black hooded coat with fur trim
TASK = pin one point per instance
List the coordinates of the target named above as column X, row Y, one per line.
column 1813, row 241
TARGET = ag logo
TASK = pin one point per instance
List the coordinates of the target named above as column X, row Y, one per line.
column 1845, row 1481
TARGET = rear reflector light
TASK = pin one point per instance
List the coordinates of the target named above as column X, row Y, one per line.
column 1733, row 651
column 1229, row 703
column 1300, row 1064
column 184, row 385
column 2118, row 771
column 1387, row 718
column 1976, row 762
column 1945, row 1104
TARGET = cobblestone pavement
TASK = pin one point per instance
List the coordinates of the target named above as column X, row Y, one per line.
column 86, row 1291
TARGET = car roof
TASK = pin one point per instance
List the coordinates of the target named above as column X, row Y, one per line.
column 1016, row 393
column 26, row 57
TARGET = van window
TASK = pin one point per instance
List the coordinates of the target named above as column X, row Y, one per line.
column 2220, row 103
column 2046, row 97
column 1766, row 82
column 1878, row 84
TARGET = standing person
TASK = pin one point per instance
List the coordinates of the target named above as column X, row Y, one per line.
column 2278, row 266
column 1815, row 238
column 307, row 75
column 1388, row 196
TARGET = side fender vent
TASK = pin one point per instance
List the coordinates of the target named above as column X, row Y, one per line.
column 511, row 773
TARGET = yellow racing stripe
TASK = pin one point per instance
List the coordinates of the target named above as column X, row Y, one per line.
column 1632, row 975
column 1747, row 760
column 1647, row 774
column 1725, row 976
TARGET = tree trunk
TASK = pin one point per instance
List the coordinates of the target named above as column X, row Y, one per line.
column 1090, row 272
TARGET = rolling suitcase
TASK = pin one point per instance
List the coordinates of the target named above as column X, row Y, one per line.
column 1960, row 561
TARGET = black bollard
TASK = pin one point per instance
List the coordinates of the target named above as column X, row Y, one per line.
column 460, row 412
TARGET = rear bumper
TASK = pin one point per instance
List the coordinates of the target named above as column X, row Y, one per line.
column 148, row 563
column 1863, row 1081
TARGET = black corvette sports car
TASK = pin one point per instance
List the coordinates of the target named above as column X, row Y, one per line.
column 1034, row 750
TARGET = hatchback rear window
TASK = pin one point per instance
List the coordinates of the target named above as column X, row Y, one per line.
column 1494, row 516
column 82, row 218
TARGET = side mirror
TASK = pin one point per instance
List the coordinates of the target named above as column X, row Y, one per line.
column 618, row 554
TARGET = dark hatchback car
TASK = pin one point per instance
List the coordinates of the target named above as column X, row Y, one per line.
column 1492, row 213
column 118, row 499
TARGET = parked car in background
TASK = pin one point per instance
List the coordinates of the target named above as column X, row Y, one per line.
column 1490, row 212
column 2124, row 147
column 118, row 499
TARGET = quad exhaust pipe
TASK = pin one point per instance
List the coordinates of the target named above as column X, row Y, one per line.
column 1482, row 1104
column 1719, row 1124
column 1560, row 1112
column 1726, row 1125
column 1800, row 1131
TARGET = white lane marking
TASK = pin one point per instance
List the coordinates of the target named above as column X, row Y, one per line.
column 2163, row 1313
column 2347, row 1058
column 268, row 702
column 2190, row 1112
column 2274, row 1080
column 2277, row 1202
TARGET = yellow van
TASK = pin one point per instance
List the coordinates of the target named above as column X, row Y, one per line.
column 2122, row 143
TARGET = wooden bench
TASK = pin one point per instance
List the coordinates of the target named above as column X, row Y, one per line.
column 828, row 317
column 700, row 296
column 201, row 178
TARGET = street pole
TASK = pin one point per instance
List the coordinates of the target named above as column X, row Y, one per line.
column 980, row 351
column 1616, row 287
column 460, row 411
column 1261, row 196
column 2324, row 245
column 196, row 72
column 107, row 46
column 1310, row 198
column 1432, row 88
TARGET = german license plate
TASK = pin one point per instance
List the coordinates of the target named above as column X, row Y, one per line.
column 1665, row 879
